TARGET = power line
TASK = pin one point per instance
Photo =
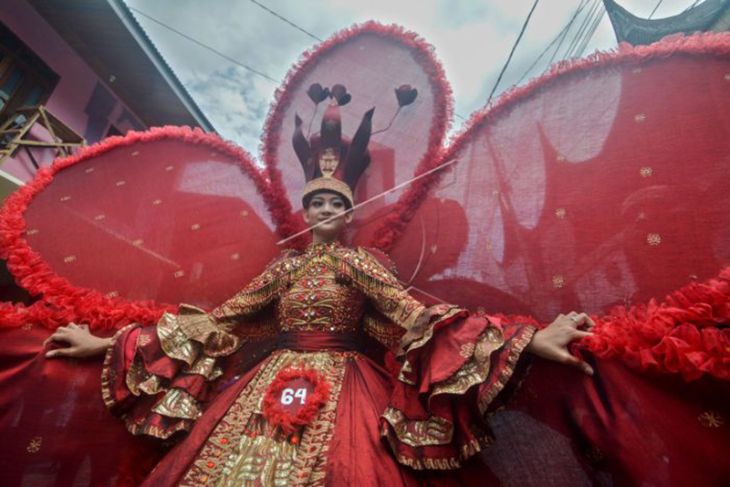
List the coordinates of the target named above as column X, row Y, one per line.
column 560, row 36
column 656, row 7
column 593, row 30
column 284, row 19
column 552, row 58
column 301, row 29
column 694, row 4
column 580, row 35
column 225, row 56
column 511, row 53
column 205, row 46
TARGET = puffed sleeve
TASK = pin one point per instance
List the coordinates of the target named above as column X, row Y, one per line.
column 371, row 275
column 452, row 373
column 157, row 377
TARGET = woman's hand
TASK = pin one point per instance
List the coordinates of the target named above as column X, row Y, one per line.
column 552, row 342
column 81, row 343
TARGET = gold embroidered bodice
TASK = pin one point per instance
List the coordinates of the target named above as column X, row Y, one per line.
column 327, row 288
column 316, row 301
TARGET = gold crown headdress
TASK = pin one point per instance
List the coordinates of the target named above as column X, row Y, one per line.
column 330, row 161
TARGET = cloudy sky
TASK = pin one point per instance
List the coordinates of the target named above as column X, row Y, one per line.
column 472, row 39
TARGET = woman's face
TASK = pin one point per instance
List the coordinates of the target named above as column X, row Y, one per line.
column 322, row 207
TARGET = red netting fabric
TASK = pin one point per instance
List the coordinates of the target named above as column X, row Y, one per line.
column 596, row 186
column 166, row 216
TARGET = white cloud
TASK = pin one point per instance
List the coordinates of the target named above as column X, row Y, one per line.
column 472, row 39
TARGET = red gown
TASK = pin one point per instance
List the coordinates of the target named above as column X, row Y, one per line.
column 336, row 311
column 576, row 191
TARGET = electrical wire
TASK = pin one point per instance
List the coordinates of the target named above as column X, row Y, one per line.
column 580, row 35
column 559, row 37
column 691, row 6
column 511, row 53
column 284, row 19
column 592, row 30
column 204, row 46
column 579, row 32
column 580, row 29
column 656, row 7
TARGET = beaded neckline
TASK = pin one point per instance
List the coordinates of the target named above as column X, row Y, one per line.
column 322, row 247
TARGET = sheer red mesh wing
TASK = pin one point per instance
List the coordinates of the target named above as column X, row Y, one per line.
column 601, row 183
column 169, row 216
column 371, row 61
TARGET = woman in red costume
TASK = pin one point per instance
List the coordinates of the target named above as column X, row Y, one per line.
column 566, row 193
column 326, row 403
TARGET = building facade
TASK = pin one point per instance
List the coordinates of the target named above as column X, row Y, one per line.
column 93, row 69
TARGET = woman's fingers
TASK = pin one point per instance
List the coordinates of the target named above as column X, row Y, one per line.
column 573, row 319
column 62, row 352
column 585, row 367
column 577, row 363
column 580, row 320
column 578, row 334
column 65, row 334
column 589, row 323
column 60, row 335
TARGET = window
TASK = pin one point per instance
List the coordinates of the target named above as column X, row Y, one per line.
column 25, row 80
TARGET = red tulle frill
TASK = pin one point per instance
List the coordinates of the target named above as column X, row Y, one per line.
column 687, row 333
column 276, row 415
column 61, row 301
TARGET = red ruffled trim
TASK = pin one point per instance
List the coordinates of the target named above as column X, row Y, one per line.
column 61, row 301
column 714, row 44
column 14, row 315
column 277, row 416
column 687, row 333
column 285, row 218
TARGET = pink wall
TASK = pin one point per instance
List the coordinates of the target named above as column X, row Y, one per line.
column 73, row 91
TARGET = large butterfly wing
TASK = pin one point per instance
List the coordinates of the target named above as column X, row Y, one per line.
column 601, row 183
column 167, row 216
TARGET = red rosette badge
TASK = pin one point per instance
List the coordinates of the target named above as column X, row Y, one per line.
column 294, row 397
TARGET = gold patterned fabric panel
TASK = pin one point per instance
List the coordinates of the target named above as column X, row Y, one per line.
column 382, row 288
column 317, row 301
column 436, row 430
column 191, row 332
column 245, row 450
column 513, row 351
column 262, row 290
column 476, row 369
column 432, row 431
column 318, row 290
column 382, row 329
